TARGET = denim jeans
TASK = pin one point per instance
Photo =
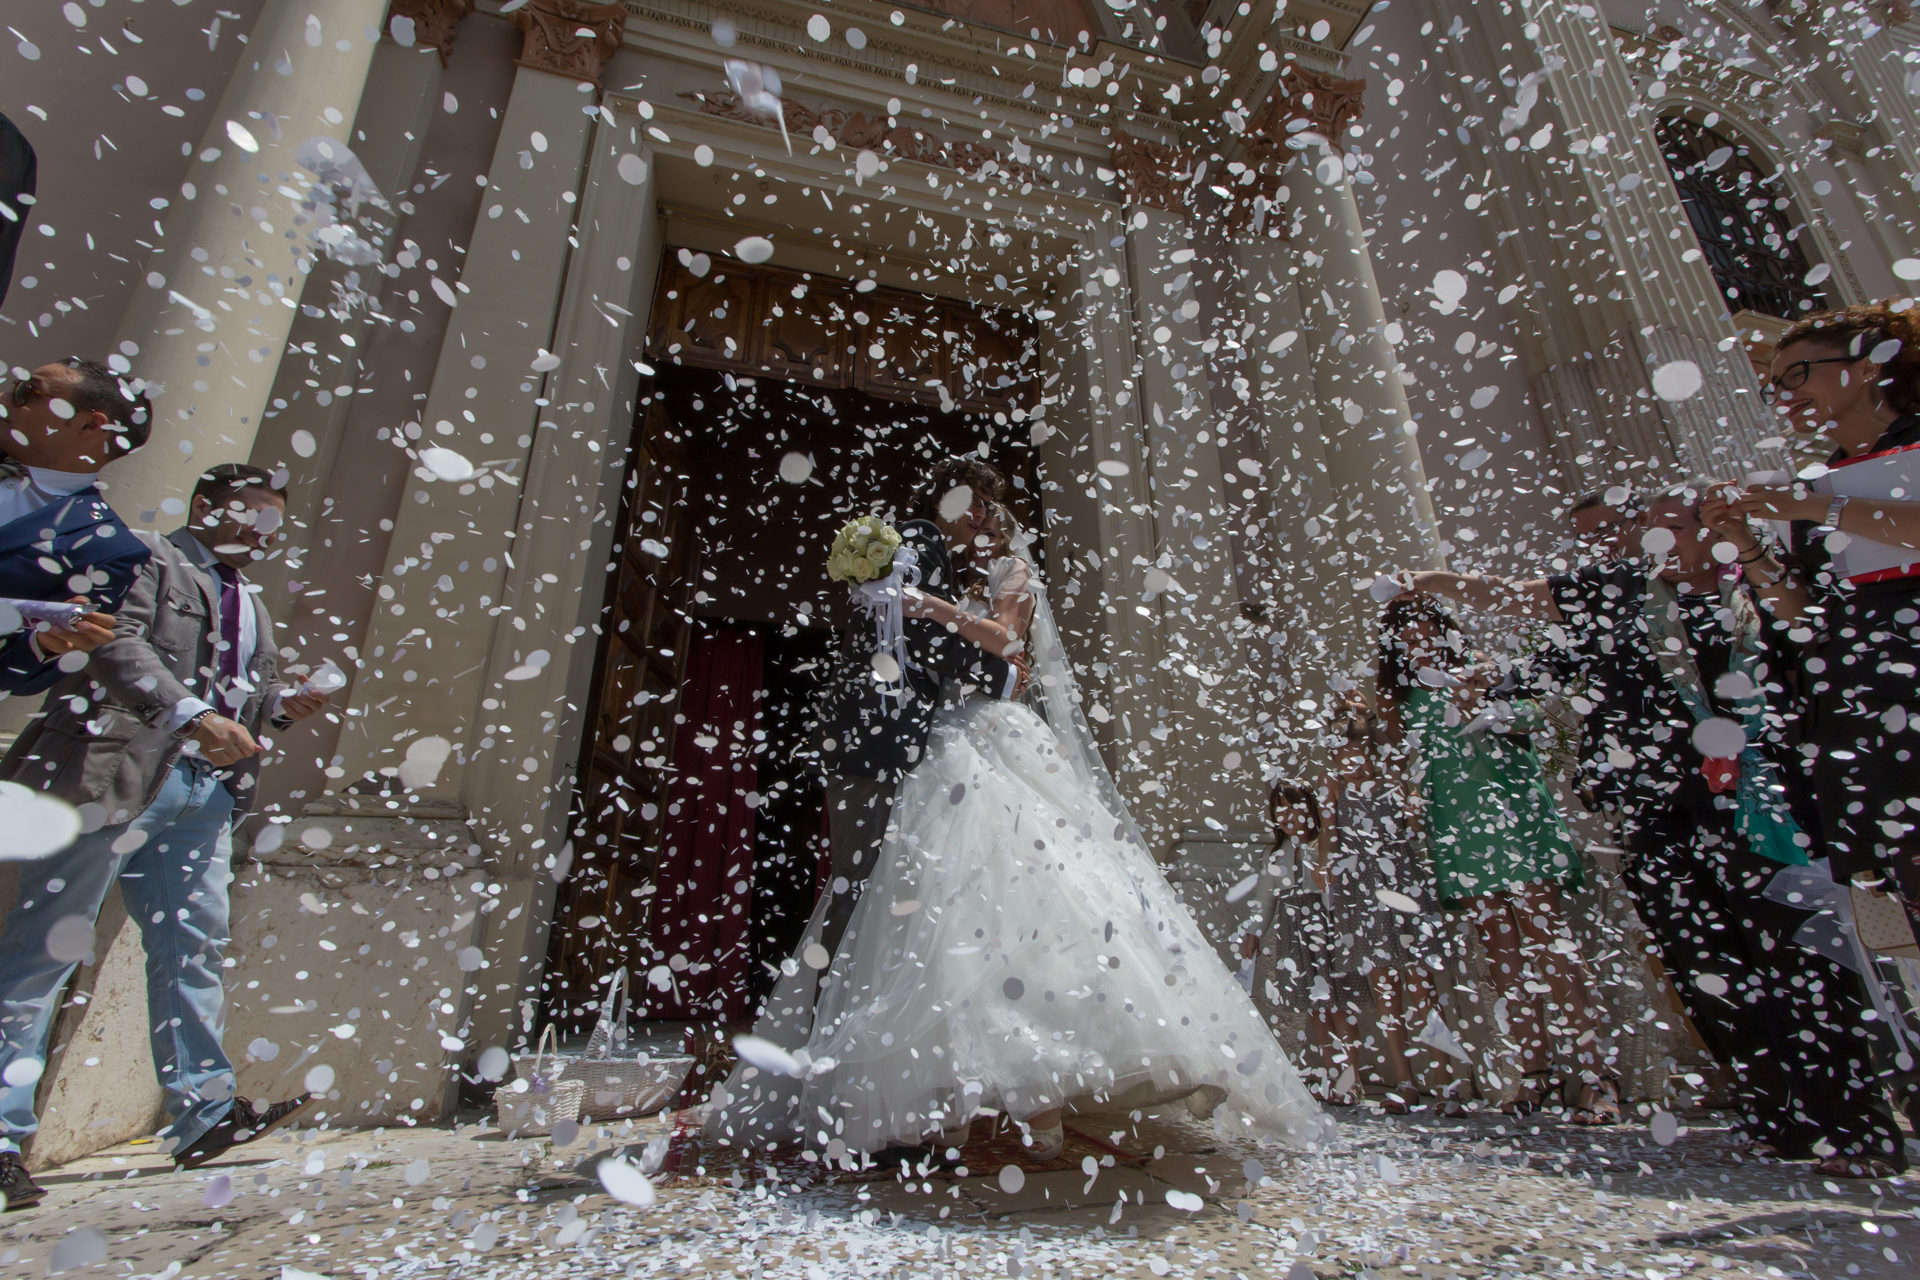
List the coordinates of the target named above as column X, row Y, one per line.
column 174, row 864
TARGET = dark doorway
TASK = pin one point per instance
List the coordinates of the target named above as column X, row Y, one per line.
column 697, row 829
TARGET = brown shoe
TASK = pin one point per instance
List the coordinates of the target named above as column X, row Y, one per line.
column 17, row 1188
column 242, row 1124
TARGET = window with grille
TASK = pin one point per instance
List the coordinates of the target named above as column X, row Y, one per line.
column 1740, row 215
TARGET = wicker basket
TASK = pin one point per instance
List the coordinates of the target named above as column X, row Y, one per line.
column 534, row 1104
column 615, row 1085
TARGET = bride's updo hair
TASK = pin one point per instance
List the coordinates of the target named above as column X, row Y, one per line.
column 1858, row 330
column 964, row 471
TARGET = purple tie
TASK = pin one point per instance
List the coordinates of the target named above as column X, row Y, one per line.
column 231, row 598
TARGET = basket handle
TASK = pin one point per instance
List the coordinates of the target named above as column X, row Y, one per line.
column 541, row 1050
column 613, row 1017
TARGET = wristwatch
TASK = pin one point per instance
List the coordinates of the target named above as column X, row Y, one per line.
column 1834, row 509
column 186, row 730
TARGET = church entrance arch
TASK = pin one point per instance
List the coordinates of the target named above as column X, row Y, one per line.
column 782, row 403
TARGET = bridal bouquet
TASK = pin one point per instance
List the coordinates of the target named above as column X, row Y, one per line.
column 863, row 551
column 878, row 571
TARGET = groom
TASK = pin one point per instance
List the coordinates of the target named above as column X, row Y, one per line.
column 869, row 741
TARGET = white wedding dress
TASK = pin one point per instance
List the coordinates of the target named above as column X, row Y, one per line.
column 1016, row 949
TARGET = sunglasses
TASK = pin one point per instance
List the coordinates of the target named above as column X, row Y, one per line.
column 1795, row 375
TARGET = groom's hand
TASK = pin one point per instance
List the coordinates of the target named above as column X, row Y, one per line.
column 1022, row 675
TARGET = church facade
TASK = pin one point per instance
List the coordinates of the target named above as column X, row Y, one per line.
column 577, row 327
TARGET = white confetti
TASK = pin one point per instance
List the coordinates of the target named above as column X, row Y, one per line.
column 445, row 464
column 1719, row 738
column 625, row 1182
column 34, row 824
column 753, row 249
column 1678, row 380
column 767, row 1056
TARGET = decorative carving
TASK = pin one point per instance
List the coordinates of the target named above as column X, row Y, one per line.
column 1327, row 103
column 433, row 21
column 1665, row 33
column 1152, row 175
column 569, row 38
column 865, row 132
column 1847, row 137
column 1259, row 207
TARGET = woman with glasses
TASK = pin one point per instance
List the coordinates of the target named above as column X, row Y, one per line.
column 1853, row 377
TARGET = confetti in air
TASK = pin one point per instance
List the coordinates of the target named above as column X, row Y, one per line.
column 1270, row 639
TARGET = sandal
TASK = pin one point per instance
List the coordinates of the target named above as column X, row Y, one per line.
column 1598, row 1104
column 1400, row 1100
column 1535, row 1087
column 1855, row 1167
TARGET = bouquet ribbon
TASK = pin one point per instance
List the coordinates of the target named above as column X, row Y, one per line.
column 884, row 601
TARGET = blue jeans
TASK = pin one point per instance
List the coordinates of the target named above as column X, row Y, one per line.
column 174, row 864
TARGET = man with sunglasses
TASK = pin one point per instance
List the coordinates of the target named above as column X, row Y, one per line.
column 66, row 560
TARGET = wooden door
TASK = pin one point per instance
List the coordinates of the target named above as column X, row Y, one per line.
column 619, row 807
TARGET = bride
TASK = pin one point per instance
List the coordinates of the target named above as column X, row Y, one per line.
column 1017, row 949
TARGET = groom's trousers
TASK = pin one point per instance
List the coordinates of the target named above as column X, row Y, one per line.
column 857, row 813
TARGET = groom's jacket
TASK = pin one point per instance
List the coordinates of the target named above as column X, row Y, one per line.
column 865, row 732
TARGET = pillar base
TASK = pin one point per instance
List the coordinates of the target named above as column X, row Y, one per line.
column 356, row 936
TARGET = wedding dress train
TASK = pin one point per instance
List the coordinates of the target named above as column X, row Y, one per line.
column 1016, row 949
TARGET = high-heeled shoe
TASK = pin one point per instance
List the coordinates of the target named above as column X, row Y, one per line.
column 1047, row 1143
column 955, row 1138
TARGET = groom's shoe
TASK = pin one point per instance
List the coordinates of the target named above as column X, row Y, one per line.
column 241, row 1124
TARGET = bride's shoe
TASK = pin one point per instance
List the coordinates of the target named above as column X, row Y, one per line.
column 1047, row 1143
column 955, row 1139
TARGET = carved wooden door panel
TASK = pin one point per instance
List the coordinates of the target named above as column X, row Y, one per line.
column 619, row 807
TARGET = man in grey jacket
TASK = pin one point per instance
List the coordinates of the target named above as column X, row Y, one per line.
column 156, row 743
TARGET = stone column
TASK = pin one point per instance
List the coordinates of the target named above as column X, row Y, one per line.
column 1301, row 511
column 402, row 95
column 1379, row 516
column 524, row 782
column 1099, row 504
column 220, row 293
column 1574, row 153
column 442, row 591
column 1207, row 709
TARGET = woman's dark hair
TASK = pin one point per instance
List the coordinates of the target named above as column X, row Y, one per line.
column 1394, row 675
column 949, row 474
column 1289, row 792
column 1858, row 330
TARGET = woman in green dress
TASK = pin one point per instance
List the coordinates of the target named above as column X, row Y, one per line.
column 1501, row 852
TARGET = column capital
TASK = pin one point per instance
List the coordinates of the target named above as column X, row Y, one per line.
column 1151, row 174
column 570, row 38
column 1327, row 103
column 433, row 21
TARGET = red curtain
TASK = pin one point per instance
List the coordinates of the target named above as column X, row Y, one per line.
column 704, row 892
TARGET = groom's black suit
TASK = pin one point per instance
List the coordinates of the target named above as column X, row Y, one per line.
column 865, row 732
column 869, row 741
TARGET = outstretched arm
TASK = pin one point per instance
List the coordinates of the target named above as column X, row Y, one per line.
column 1001, row 636
column 1528, row 599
